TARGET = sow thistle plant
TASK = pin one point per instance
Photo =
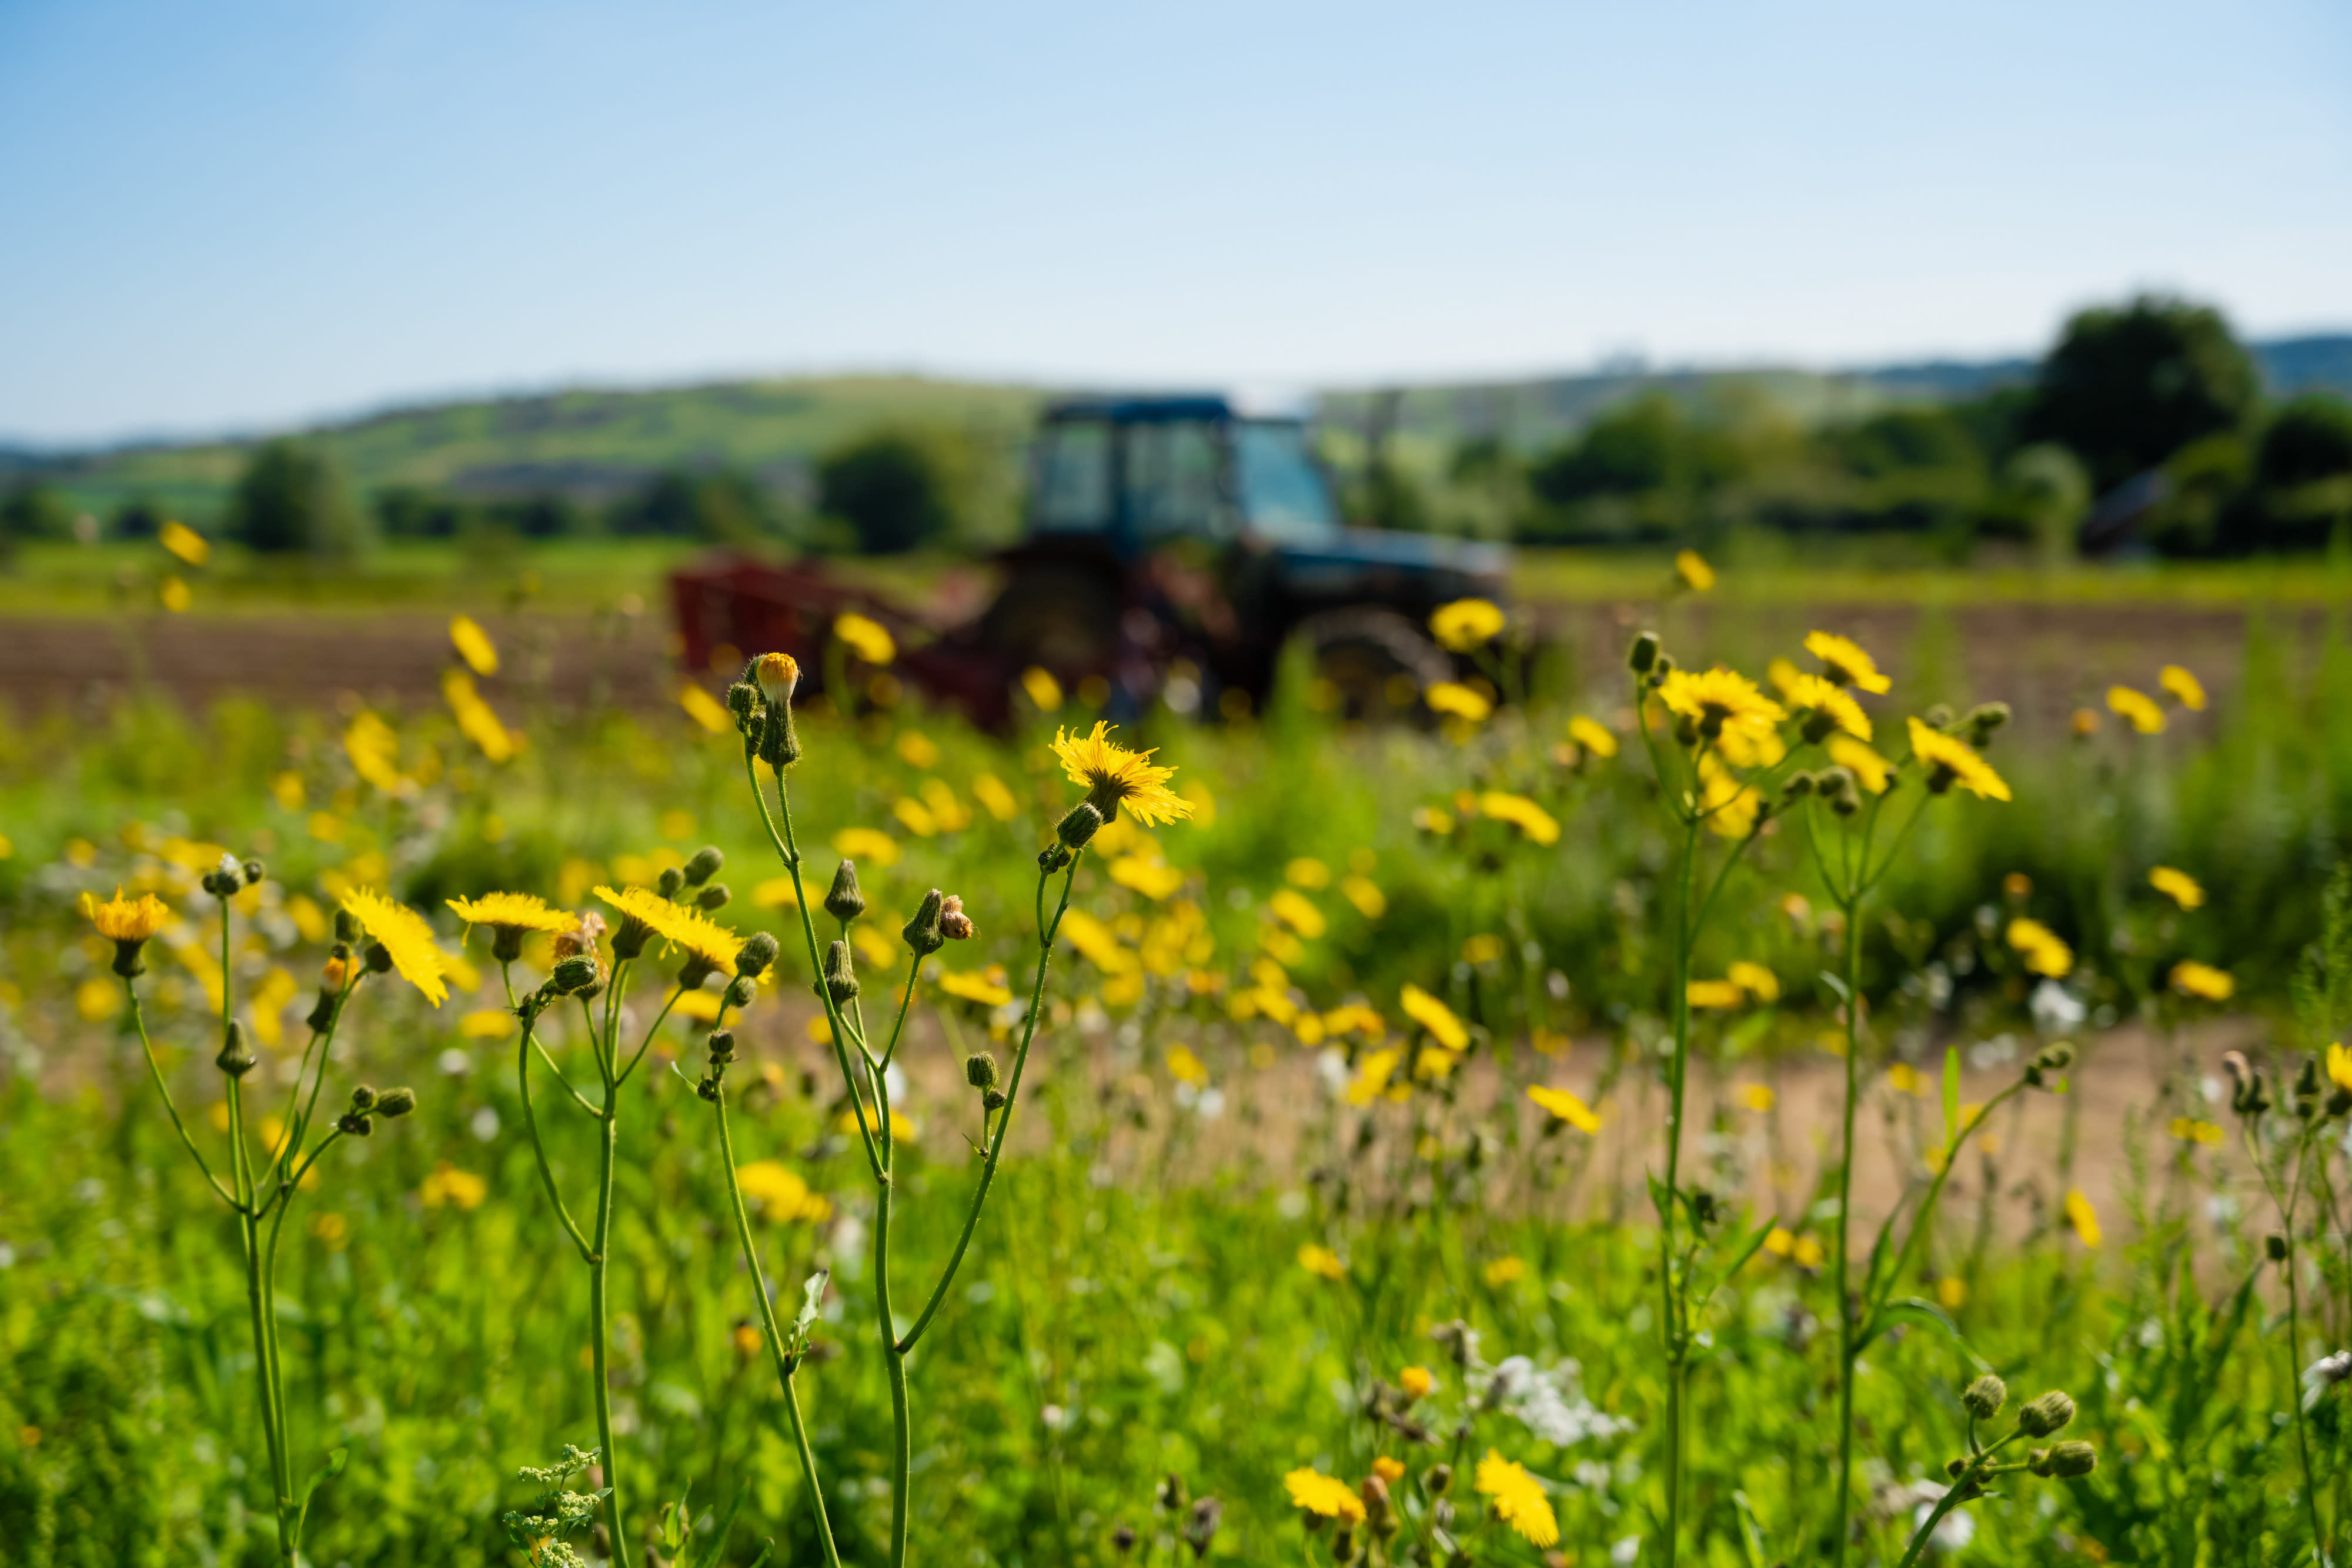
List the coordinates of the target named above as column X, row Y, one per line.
column 260, row 1191
column 1726, row 757
column 1115, row 779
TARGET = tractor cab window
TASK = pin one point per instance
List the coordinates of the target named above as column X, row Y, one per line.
column 1282, row 493
column 1171, row 478
column 1073, row 476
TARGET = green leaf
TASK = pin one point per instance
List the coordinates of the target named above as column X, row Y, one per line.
column 1951, row 1099
column 796, row 1339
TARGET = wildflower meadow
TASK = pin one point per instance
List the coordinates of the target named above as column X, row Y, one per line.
column 1745, row 1101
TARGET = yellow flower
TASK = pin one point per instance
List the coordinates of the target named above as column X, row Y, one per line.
column 1115, row 776
column 448, row 1184
column 1466, row 623
column 1458, row 701
column 1756, row 1097
column 1321, row 1260
column 1832, row 702
column 405, row 937
column 1372, row 1075
column 2190, row 1131
column 514, row 911
column 2136, row 708
column 1390, row 1471
column 174, row 594
column 1870, row 771
column 865, row 638
column 1307, row 872
column 1315, row 1492
column 1522, row 813
column 1416, row 1382
column 782, row 1195
column 473, row 645
column 777, row 675
column 2045, row 953
column 1952, row 1291
column 184, row 542
column 1186, row 1068
column 703, row 708
column 122, row 919
column 2191, row 978
column 680, row 927
column 1721, row 995
column 2186, row 689
column 1755, row 979
column 1518, row 1499
column 1847, row 664
column 979, row 988
column 1730, row 806
column 1723, row 699
column 1043, row 688
column 1950, row 762
column 869, row 845
column 1434, row 1016
column 2082, row 1217
column 1565, row 1107
column 1503, row 1271
column 2085, row 724
column 1294, row 909
column 1694, row 572
column 478, row 720
column 2178, row 886
column 2339, row 1066
column 1590, row 735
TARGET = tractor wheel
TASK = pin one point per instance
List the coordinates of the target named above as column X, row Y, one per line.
column 1375, row 661
column 1061, row 617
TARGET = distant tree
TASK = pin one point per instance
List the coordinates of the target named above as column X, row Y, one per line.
column 888, row 488
column 137, row 518
column 34, row 511
column 291, row 498
column 722, row 508
column 414, row 512
column 2126, row 389
column 2307, row 442
column 1633, row 449
column 543, row 516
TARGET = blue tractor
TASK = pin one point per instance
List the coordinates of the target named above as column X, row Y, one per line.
column 1174, row 546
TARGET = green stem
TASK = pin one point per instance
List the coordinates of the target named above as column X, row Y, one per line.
column 155, row 1069
column 259, row 1295
column 1846, row 1325
column 598, row 1255
column 784, row 1367
column 538, row 1149
column 1670, row 1324
column 996, row 1144
column 894, row 1357
column 2295, row 1353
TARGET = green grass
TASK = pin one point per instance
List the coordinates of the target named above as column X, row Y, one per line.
column 1136, row 1306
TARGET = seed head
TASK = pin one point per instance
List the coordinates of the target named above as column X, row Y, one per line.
column 954, row 924
column 235, row 1056
column 2048, row 1413
column 840, row 977
column 843, row 900
column 922, row 931
column 756, row 954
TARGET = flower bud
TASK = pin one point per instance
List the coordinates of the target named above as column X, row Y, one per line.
column 757, row 953
column 354, row 1124
column 954, row 924
column 704, row 865
column 323, row 1012
column 2274, row 1247
column 1438, row 1479
column 715, row 896
column 2306, row 1089
column 980, row 1070
column 1122, row 1539
column 1082, row 822
column 379, row 958
column 844, row 900
column 395, row 1102
column 1171, row 1493
column 671, row 881
column 840, row 977
column 2052, row 1061
column 780, row 743
column 347, row 926
column 363, row 1100
column 693, row 972
column 1643, row 653
column 2069, row 1459
column 722, row 1045
column 1985, row 1397
column 741, row 990
column 778, row 674
column 2048, row 1413
column 922, row 931
column 743, row 702
column 1939, row 717
column 1981, row 721
column 255, row 871
column 707, row 1085
column 576, row 973
column 995, row 1100
column 1202, row 1528
column 1377, row 1513
column 1343, row 1546
column 1053, row 857
column 235, row 1056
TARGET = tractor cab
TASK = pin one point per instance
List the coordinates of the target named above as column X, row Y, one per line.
column 1174, row 544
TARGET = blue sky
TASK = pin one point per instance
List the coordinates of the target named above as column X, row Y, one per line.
column 233, row 215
